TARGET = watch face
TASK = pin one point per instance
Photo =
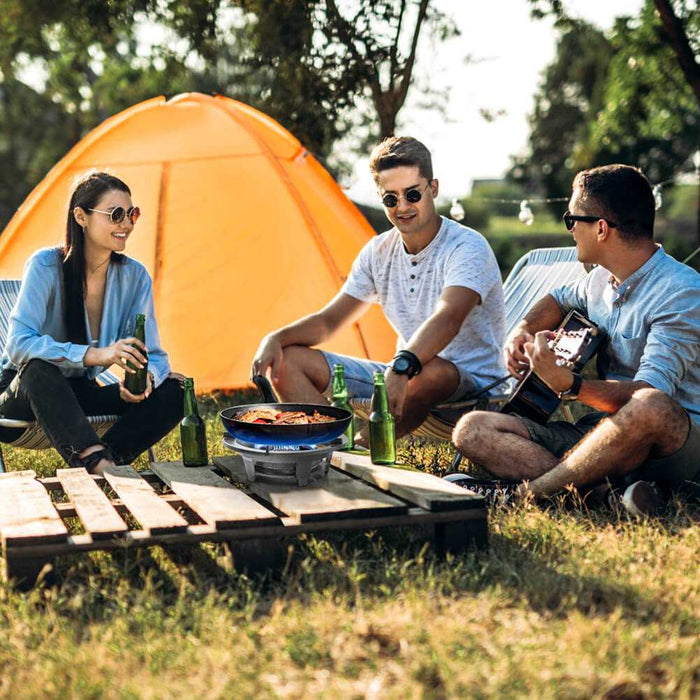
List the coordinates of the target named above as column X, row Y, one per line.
column 401, row 365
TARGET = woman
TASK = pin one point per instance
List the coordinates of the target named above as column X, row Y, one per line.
column 74, row 317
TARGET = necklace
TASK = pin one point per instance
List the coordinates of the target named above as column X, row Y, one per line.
column 94, row 272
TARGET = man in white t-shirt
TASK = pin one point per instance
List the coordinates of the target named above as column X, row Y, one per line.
column 439, row 286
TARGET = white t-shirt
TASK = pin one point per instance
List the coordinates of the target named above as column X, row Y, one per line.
column 408, row 288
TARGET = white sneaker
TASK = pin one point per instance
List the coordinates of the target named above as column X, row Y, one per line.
column 642, row 498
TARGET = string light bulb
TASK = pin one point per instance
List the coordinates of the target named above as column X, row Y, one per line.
column 457, row 210
column 658, row 199
column 525, row 214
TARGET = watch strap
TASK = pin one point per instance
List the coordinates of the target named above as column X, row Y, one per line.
column 414, row 364
column 573, row 391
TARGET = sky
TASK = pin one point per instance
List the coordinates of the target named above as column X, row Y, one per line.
column 510, row 52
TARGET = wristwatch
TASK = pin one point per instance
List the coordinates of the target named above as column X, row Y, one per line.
column 571, row 394
column 405, row 362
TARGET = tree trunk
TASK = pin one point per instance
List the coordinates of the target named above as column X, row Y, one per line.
column 680, row 45
column 686, row 59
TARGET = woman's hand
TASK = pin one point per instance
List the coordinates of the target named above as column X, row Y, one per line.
column 127, row 396
column 131, row 349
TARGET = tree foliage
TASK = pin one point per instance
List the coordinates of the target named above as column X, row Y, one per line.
column 568, row 98
column 619, row 97
column 65, row 68
column 650, row 114
column 307, row 63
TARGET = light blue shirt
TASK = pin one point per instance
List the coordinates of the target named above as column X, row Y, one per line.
column 37, row 328
column 653, row 324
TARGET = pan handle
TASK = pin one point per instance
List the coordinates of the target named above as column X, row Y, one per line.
column 265, row 389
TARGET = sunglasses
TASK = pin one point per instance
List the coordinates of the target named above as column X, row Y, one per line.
column 116, row 216
column 570, row 219
column 413, row 195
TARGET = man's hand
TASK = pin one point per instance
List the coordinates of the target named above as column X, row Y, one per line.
column 544, row 362
column 396, row 388
column 268, row 356
column 516, row 359
column 127, row 396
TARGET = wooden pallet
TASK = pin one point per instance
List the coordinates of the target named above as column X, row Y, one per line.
column 172, row 504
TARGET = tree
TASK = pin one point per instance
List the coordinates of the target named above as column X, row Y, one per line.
column 569, row 97
column 378, row 44
column 318, row 59
column 650, row 109
column 649, row 113
column 679, row 29
column 306, row 63
column 85, row 57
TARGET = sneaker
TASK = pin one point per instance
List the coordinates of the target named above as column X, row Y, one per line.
column 642, row 498
column 492, row 490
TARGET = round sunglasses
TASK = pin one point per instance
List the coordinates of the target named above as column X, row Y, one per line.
column 413, row 195
column 570, row 219
column 117, row 215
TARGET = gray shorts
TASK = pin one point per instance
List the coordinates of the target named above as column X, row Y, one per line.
column 359, row 375
column 675, row 470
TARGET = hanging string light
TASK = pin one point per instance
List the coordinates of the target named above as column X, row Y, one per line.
column 525, row 214
column 457, row 210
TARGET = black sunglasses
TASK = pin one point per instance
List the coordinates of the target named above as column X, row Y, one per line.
column 570, row 219
column 413, row 195
column 116, row 216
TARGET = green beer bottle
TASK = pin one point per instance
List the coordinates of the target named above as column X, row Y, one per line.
column 340, row 400
column 137, row 381
column 193, row 433
column 382, row 438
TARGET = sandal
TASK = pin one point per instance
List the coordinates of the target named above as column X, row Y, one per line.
column 90, row 462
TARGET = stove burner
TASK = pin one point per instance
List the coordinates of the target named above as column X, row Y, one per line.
column 287, row 465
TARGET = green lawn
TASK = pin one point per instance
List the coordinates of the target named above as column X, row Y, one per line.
column 565, row 603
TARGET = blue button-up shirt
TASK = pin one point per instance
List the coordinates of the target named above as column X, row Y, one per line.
column 653, row 324
column 37, row 328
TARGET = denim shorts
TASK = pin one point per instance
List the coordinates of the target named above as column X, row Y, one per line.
column 675, row 470
column 359, row 376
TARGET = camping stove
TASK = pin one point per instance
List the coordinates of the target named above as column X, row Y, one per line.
column 299, row 466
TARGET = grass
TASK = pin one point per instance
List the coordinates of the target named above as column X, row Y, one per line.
column 565, row 603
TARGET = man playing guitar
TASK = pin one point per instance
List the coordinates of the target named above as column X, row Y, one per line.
column 646, row 425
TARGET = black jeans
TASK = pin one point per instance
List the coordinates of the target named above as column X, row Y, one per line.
column 40, row 392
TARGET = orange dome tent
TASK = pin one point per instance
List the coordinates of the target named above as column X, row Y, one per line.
column 242, row 229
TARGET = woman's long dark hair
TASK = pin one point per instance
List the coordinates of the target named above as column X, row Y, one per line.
column 86, row 195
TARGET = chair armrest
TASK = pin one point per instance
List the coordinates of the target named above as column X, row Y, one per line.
column 15, row 423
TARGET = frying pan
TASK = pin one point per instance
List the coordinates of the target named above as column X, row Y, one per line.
column 284, row 435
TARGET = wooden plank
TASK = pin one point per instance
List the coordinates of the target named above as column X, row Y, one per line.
column 93, row 507
column 206, row 533
column 335, row 497
column 214, row 499
column 153, row 513
column 67, row 510
column 27, row 514
column 24, row 474
column 425, row 490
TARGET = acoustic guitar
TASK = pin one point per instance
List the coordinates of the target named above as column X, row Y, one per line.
column 577, row 340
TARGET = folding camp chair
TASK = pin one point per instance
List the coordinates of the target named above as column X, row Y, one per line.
column 33, row 437
column 533, row 276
